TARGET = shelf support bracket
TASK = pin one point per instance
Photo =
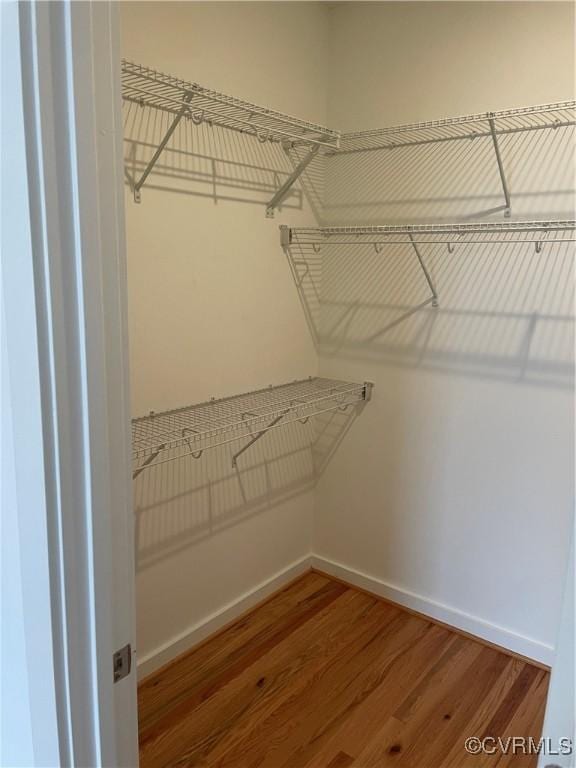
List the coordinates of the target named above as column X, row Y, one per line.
column 182, row 111
column 501, row 171
column 257, row 436
column 426, row 273
column 289, row 183
column 148, row 461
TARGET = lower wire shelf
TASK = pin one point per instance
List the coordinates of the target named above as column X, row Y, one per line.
column 189, row 431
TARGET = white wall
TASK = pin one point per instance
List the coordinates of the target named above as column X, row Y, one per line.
column 213, row 310
column 453, row 491
column 454, row 494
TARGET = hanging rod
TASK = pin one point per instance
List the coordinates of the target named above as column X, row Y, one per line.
column 163, row 437
column 552, row 231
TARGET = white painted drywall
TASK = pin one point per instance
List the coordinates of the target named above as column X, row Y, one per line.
column 213, row 310
column 453, row 491
column 455, row 488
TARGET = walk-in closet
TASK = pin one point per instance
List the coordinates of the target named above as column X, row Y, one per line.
column 350, row 235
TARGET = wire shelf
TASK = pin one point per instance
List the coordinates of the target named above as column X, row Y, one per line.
column 554, row 231
column 150, row 88
column 507, row 121
column 170, row 435
column 190, row 101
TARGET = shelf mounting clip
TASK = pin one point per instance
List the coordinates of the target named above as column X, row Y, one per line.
column 174, row 124
column 290, row 181
column 367, row 391
column 492, row 124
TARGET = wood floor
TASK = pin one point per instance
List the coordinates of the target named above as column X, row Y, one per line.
column 326, row 676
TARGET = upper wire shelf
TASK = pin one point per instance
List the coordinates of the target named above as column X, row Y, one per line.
column 507, row 121
column 182, row 99
column 185, row 100
column 150, row 88
column 189, row 431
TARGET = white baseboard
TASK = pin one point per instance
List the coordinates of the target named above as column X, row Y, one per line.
column 201, row 630
column 484, row 630
column 492, row 633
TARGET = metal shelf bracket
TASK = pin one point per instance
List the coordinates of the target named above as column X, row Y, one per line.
column 290, row 181
column 138, row 185
column 424, row 269
column 501, row 171
column 257, row 437
column 148, row 461
column 367, row 388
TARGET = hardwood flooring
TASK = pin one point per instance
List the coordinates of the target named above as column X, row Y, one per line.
column 325, row 676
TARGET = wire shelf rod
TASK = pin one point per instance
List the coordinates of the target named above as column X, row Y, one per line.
column 546, row 116
column 166, row 85
column 489, row 226
column 316, row 236
column 264, row 132
column 218, row 424
column 553, row 241
column 241, row 436
column 175, row 429
column 344, row 150
column 251, row 415
column 516, row 113
column 145, row 86
column 269, row 397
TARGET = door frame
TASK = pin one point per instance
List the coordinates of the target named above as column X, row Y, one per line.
column 71, row 107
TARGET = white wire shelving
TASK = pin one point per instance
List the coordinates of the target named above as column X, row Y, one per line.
column 309, row 241
column 506, row 121
column 559, row 230
column 487, row 126
column 149, row 87
column 182, row 99
column 189, row 431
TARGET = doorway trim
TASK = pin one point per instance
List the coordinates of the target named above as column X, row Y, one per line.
column 70, row 65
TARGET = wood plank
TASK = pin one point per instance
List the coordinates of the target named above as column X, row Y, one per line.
column 352, row 675
column 201, row 674
column 326, row 676
column 159, row 691
column 416, row 724
column 526, row 721
column 286, row 666
column 348, row 636
column 447, row 721
column 341, row 760
column 370, row 714
column 457, row 756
